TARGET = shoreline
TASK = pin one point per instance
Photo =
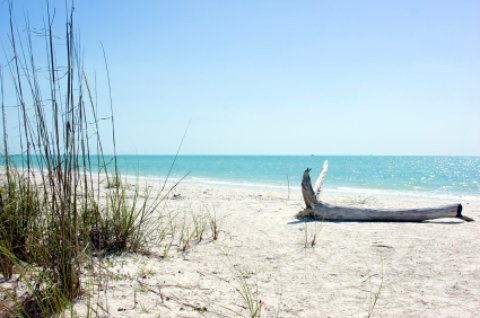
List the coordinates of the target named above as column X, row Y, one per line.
column 332, row 192
column 437, row 178
column 340, row 191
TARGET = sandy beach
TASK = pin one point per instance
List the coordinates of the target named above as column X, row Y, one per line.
column 429, row 269
column 102, row 101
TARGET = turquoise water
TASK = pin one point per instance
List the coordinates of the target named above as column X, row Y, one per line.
column 422, row 176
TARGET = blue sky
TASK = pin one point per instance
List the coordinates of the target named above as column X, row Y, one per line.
column 284, row 77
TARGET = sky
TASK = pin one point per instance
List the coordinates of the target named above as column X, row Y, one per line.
column 281, row 77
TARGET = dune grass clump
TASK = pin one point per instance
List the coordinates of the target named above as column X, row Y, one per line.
column 52, row 216
column 18, row 216
column 124, row 222
column 62, row 208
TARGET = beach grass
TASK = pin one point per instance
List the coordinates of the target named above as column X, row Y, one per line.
column 53, row 218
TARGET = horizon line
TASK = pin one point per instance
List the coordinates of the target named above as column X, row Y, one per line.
column 275, row 155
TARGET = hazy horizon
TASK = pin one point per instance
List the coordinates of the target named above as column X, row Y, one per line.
column 266, row 155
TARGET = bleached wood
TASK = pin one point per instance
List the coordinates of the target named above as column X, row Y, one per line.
column 323, row 211
column 320, row 180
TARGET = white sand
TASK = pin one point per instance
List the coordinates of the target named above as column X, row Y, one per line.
column 429, row 269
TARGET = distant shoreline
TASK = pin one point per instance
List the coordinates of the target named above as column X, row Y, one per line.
column 437, row 179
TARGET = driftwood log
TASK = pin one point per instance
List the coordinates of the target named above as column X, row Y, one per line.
column 316, row 209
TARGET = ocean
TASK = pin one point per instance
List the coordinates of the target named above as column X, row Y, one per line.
column 428, row 177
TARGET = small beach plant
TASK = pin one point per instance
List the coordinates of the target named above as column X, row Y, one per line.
column 376, row 294
column 308, row 239
column 214, row 225
column 249, row 294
